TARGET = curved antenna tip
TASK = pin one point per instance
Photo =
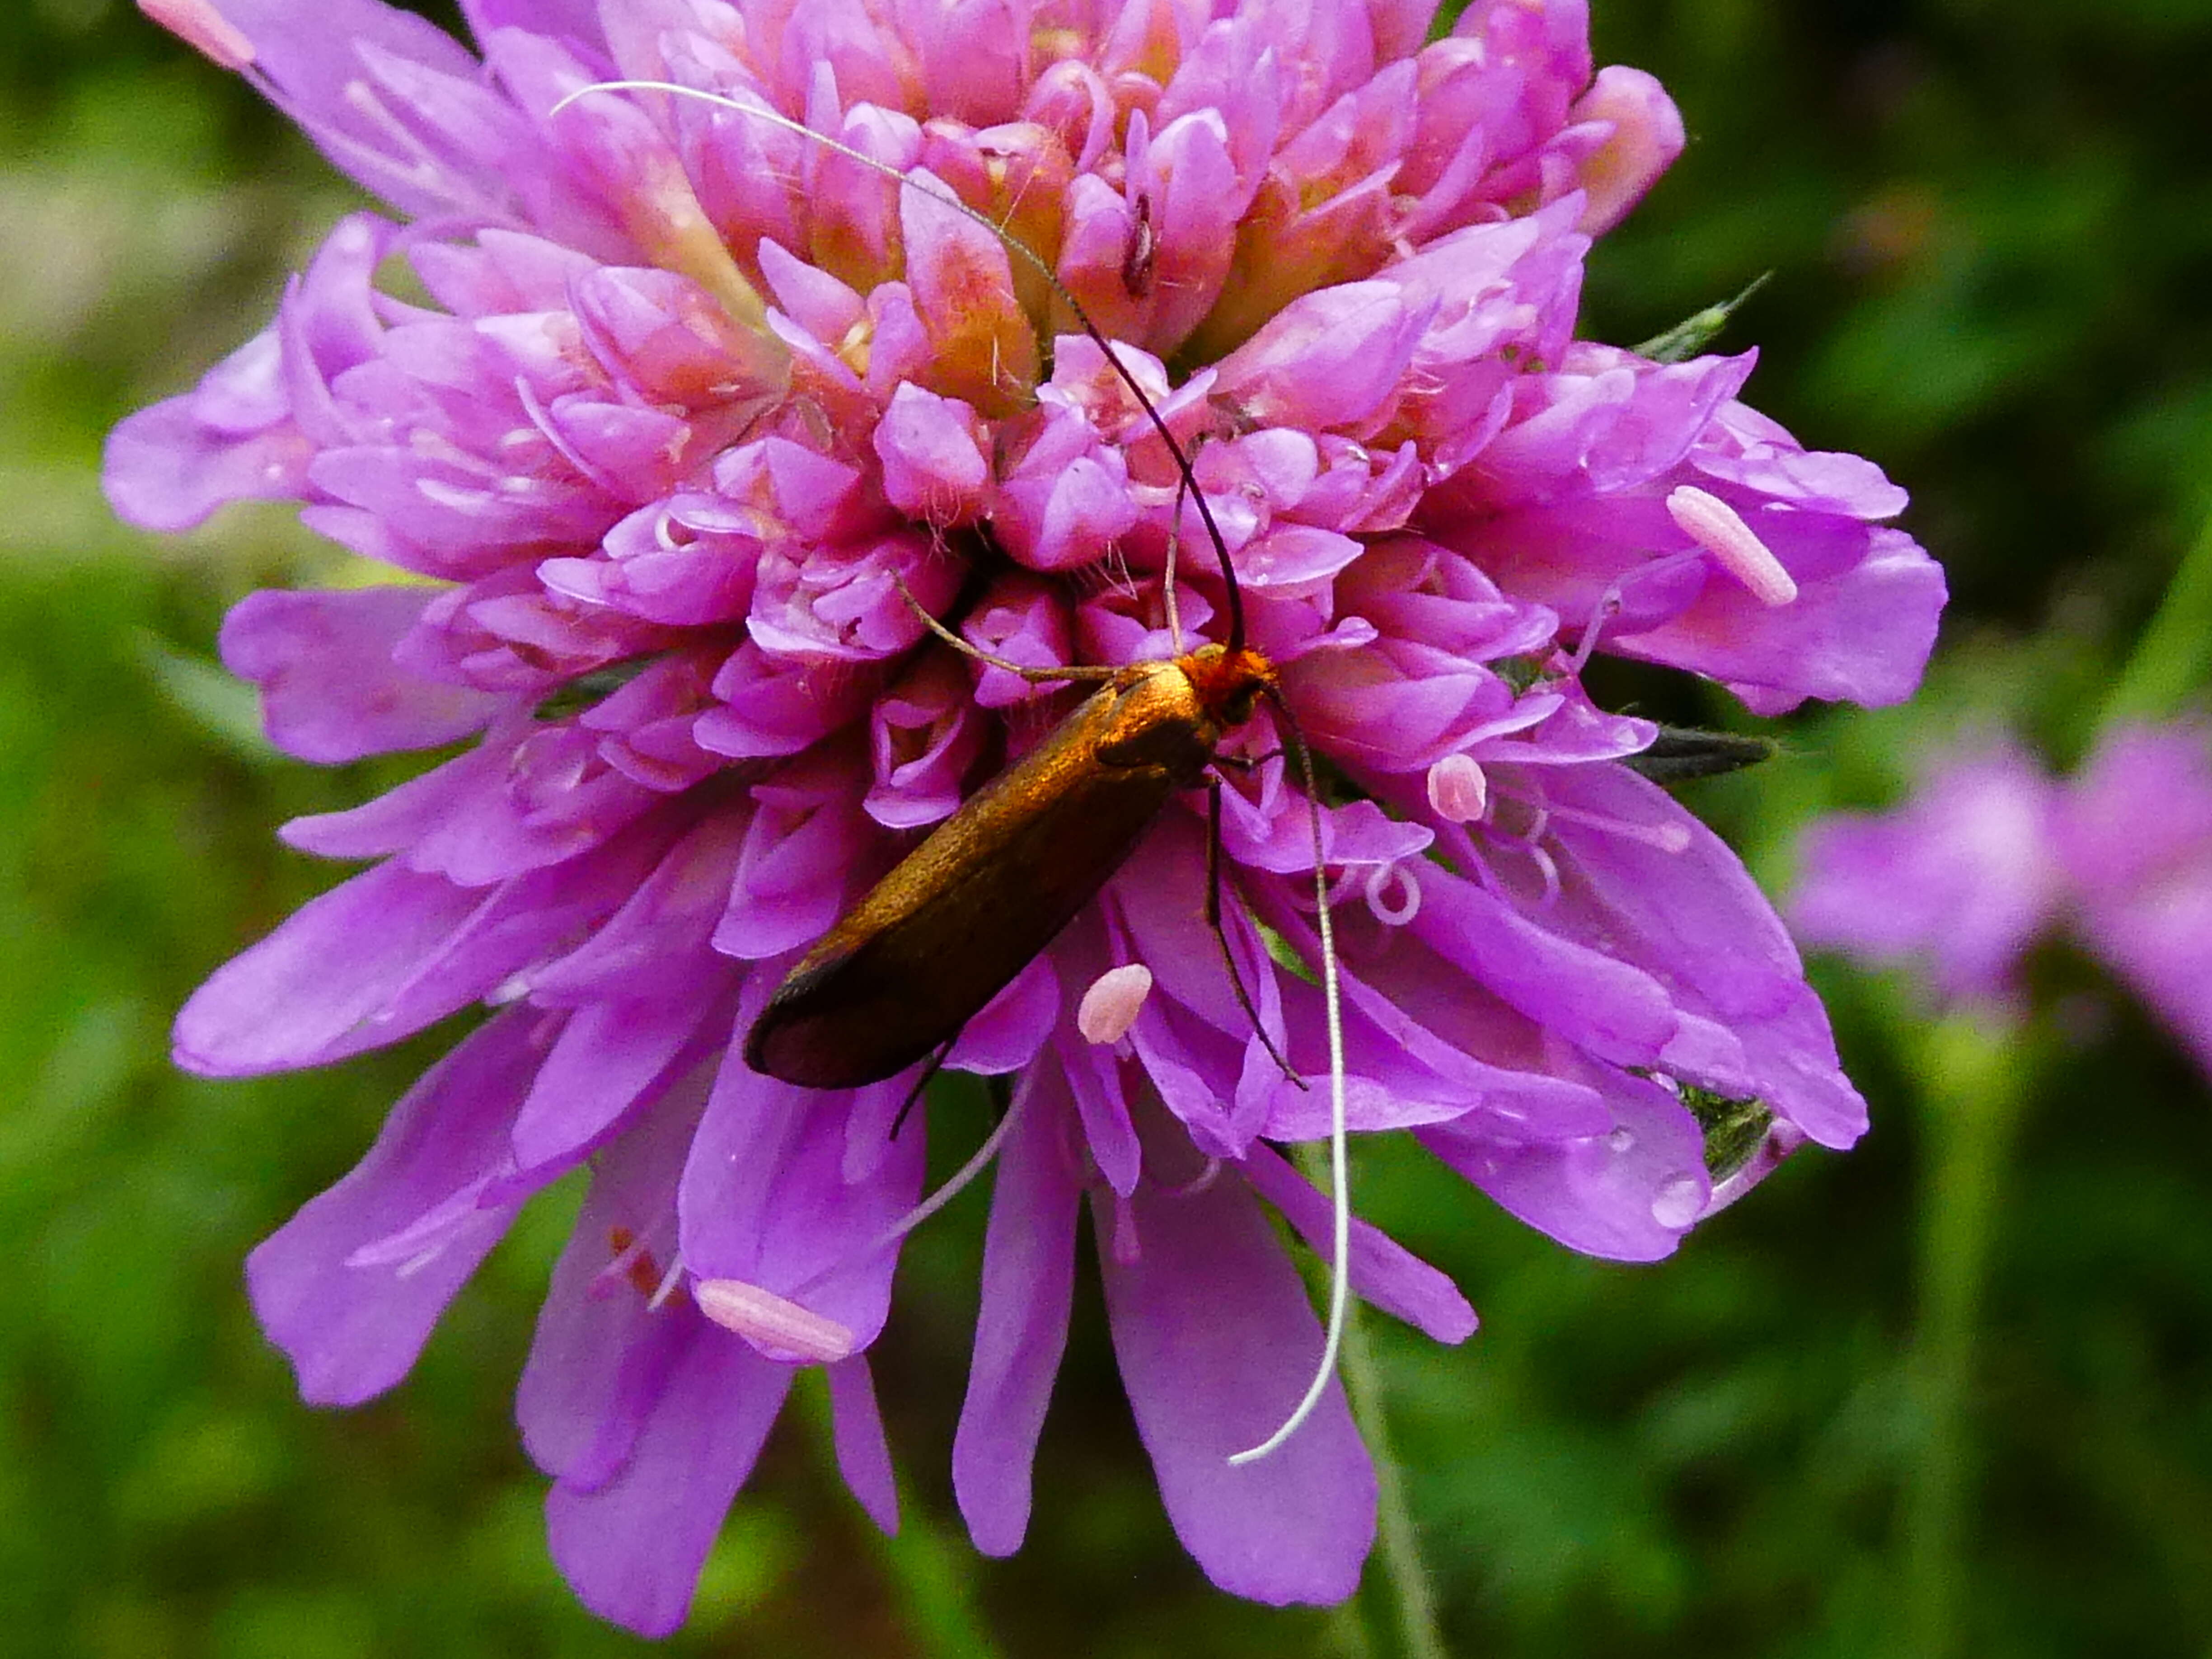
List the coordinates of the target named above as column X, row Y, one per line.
column 1339, row 1286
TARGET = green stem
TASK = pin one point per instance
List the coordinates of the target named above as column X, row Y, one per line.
column 1973, row 1080
column 1345, row 1633
column 1397, row 1545
column 2172, row 661
column 1400, row 1546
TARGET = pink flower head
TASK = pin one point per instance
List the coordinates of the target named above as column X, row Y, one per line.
column 690, row 412
column 1991, row 853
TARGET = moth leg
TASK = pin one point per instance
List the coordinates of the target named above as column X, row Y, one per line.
column 1221, row 934
column 928, row 1074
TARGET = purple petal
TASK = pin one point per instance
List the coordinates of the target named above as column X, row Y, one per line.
column 600, row 1351
column 172, row 464
column 352, row 1331
column 1011, row 1027
column 1671, row 895
column 1963, row 878
column 932, row 451
column 1021, row 1328
column 315, row 56
column 1791, row 1064
column 1645, row 136
column 313, row 990
column 1605, row 1005
column 579, row 20
column 1626, row 1196
column 1862, row 637
column 632, row 1548
column 766, row 1199
column 1384, row 1271
column 609, row 1056
column 330, row 690
column 2145, row 878
column 1216, row 1342
column 1330, row 358
column 864, row 1456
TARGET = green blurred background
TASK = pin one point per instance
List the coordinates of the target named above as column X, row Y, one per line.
column 1990, row 228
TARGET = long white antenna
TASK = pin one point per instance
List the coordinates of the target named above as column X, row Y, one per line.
column 1339, row 1173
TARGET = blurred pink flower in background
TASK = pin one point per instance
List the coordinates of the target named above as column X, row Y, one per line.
column 1991, row 853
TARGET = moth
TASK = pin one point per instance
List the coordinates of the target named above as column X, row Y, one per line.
column 966, row 910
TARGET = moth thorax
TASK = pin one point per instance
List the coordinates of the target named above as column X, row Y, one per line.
column 1227, row 683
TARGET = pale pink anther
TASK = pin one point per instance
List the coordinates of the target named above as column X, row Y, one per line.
column 1112, row 1004
column 1458, row 790
column 771, row 1322
column 199, row 25
column 1720, row 530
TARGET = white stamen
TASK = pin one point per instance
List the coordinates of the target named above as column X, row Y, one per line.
column 1720, row 530
column 512, row 988
column 768, row 1321
column 1546, row 872
column 1608, row 605
column 1458, row 790
column 1199, row 1182
column 606, row 1280
column 1593, row 630
column 666, row 1288
column 1666, row 837
column 1112, row 1004
column 1387, row 880
column 200, row 26
column 952, row 1189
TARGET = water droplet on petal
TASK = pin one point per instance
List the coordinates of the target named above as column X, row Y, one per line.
column 1621, row 1141
column 1679, row 1201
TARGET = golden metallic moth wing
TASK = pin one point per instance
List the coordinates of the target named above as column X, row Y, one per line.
column 947, row 929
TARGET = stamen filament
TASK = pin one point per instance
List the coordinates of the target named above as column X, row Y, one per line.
column 957, row 1183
